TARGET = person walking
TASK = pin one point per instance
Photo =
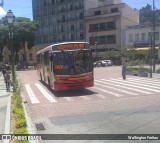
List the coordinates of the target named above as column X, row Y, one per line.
column 3, row 71
column 7, row 81
column 124, row 71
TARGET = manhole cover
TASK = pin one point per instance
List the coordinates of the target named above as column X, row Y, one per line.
column 40, row 127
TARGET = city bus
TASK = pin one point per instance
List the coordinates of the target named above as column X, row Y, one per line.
column 66, row 66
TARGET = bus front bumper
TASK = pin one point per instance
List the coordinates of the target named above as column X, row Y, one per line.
column 72, row 86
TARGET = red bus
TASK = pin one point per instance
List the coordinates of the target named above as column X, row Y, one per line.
column 66, row 66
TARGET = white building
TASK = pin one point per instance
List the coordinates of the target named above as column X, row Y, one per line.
column 140, row 36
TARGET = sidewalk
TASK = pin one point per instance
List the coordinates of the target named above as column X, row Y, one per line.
column 5, row 104
column 155, row 75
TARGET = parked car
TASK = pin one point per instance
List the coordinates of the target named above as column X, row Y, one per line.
column 97, row 64
column 107, row 63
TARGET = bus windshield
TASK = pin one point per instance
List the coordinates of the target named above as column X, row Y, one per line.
column 72, row 62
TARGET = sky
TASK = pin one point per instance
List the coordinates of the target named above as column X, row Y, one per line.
column 23, row 8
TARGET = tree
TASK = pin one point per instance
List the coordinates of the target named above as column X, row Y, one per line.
column 146, row 15
column 23, row 31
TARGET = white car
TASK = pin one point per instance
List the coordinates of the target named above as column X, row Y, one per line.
column 107, row 62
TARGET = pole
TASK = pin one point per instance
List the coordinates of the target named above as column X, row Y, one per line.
column 151, row 58
column 96, row 50
column 154, row 66
column 11, row 46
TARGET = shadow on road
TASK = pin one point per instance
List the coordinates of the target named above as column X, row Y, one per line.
column 70, row 93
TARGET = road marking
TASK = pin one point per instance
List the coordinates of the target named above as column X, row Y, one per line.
column 68, row 98
column 109, row 92
column 84, row 97
column 140, row 84
column 125, row 87
column 45, row 93
column 125, row 82
column 121, row 90
column 101, row 96
column 31, row 94
column 146, row 81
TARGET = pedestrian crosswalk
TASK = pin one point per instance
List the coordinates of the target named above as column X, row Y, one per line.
column 103, row 89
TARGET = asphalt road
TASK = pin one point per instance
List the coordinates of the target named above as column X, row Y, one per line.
column 112, row 106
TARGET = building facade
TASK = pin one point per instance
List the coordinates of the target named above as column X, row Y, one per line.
column 140, row 36
column 61, row 20
column 105, row 24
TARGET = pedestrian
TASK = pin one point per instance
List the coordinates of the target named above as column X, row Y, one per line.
column 124, row 70
column 7, row 81
column 4, row 72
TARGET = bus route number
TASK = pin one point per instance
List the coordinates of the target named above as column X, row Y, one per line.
column 58, row 67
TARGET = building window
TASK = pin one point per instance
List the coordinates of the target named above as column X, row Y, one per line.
column 111, row 39
column 97, row 12
column 113, row 10
column 111, row 25
column 102, row 40
column 137, row 37
column 156, row 35
column 130, row 37
column 30, row 57
column 72, row 27
column 81, row 16
column 143, row 37
column 81, row 36
column 102, row 26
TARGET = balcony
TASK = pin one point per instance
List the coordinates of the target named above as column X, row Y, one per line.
column 141, row 43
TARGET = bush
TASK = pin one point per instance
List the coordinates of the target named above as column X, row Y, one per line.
column 158, row 71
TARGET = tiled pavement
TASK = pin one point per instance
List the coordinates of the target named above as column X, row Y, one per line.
column 5, row 100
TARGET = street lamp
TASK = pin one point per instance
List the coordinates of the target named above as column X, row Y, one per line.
column 151, row 54
column 10, row 20
column 96, row 49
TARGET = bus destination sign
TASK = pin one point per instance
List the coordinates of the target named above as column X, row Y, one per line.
column 70, row 46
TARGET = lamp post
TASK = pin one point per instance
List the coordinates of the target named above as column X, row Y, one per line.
column 10, row 20
column 151, row 55
column 153, row 42
column 96, row 49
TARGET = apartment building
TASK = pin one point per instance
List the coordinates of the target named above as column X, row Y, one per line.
column 61, row 20
column 105, row 23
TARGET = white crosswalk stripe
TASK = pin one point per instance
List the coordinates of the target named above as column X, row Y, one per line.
column 131, row 84
column 147, row 81
column 125, row 87
column 139, row 85
column 109, row 92
column 68, row 98
column 31, row 94
column 121, row 90
column 45, row 93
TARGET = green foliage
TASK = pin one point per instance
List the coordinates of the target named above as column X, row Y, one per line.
column 3, row 37
column 23, row 31
column 18, row 111
column 138, row 69
column 146, row 15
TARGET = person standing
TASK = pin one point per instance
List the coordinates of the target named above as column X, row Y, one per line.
column 124, row 71
column 7, row 81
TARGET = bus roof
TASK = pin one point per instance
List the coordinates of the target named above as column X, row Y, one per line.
column 49, row 48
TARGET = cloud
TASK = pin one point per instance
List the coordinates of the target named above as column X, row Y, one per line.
column 2, row 12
